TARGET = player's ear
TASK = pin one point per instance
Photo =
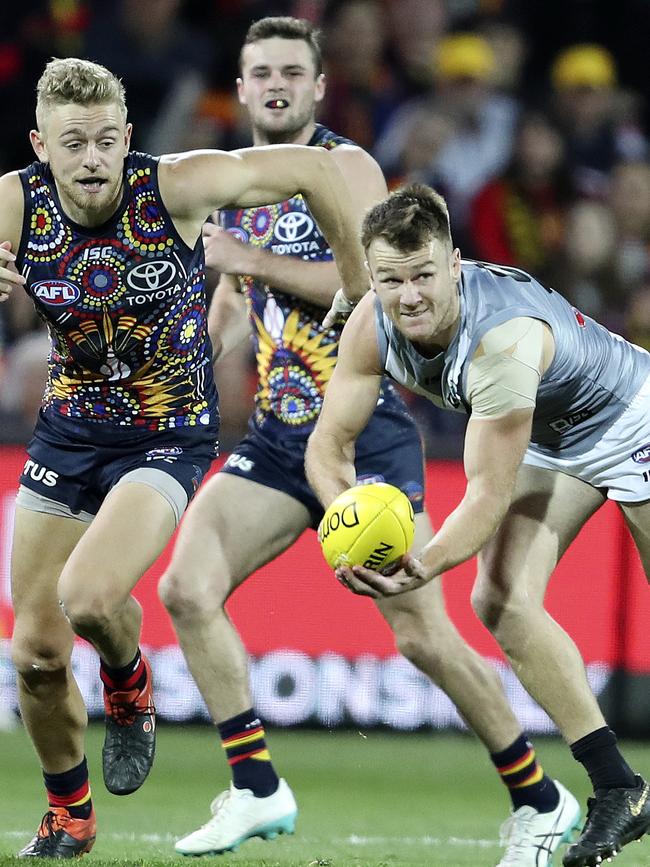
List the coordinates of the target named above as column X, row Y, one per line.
column 38, row 143
column 240, row 92
column 367, row 267
column 455, row 265
column 127, row 137
column 319, row 90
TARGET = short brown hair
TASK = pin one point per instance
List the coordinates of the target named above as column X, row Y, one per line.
column 285, row 27
column 407, row 219
column 78, row 81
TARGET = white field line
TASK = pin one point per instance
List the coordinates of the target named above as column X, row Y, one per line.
column 352, row 840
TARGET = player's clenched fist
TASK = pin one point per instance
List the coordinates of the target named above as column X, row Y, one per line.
column 9, row 276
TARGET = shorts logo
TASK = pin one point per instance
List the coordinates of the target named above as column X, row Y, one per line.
column 151, row 276
column 239, row 462
column 370, row 479
column 55, row 292
column 293, row 226
column 642, row 455
column 414, row 491
column 40, row 474
column 165, row 453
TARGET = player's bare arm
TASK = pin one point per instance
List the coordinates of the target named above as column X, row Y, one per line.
column 11, row 218
column 194, row 184
column 494, row 449
column 503, row 378
column 228, row 324
column 315, row 282
column 350, row 400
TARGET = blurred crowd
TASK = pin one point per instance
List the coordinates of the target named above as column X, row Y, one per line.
column 530, row 116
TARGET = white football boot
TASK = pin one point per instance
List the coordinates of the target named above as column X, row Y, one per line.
column 531, row 838
column 237, row 815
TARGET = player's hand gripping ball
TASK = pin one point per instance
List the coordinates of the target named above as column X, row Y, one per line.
column 368, row 525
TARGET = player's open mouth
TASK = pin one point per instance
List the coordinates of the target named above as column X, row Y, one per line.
column 276, row 103
column 412, row 314
column 92, row 185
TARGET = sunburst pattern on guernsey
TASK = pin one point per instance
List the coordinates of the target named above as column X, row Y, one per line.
column 293, row 376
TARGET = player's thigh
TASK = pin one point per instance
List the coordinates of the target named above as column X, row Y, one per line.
column 42, row 543
column 637, row 518
column 422, row 609
column 232, row 527
column 128, row 533
column 547, row 511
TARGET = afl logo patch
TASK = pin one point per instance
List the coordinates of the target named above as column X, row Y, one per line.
column 239, row 233
column 150, row 276
column 293, row 226
column 642, row 455
column 55, row 292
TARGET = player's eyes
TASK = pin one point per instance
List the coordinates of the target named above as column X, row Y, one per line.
column 73, row 145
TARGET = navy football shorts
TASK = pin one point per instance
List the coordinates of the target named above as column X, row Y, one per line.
column 388, row 450
column 77, row 464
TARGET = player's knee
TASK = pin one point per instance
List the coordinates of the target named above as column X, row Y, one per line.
column 413, row 639
column 89, row 615
column 39, row 658
column 190, row 600
column 491, row 604
column 499, row 610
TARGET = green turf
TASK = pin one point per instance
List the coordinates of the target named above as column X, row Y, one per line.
column 365, row 799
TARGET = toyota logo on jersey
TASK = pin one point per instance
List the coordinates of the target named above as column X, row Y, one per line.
column 293, row 226
column 151, row 276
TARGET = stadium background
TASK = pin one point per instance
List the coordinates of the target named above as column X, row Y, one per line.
column 545, row 167
column 322, row 657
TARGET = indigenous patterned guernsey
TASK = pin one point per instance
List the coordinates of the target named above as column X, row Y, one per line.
column 295, row 355
column 124, row 304
column 592, row 379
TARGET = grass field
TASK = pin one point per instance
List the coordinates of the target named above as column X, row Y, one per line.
column 378, row 799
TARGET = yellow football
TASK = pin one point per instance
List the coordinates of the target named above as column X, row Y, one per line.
column 368, row 525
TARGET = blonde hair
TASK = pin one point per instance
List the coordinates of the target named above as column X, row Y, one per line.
column 78, row 81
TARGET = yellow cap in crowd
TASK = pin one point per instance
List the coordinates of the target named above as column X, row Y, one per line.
column 464, row 55
column 584, row 66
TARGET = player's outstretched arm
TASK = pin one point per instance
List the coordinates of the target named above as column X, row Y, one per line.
column 11, row 218
column 494, row 449
column 196, row 183
column 350, row 399
column 315, row 282
column 502, row 383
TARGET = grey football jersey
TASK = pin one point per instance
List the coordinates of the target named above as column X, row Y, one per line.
column 592, row 379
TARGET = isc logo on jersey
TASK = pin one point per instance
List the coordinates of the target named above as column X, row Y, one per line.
column 55, row 292
column 294, row 232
